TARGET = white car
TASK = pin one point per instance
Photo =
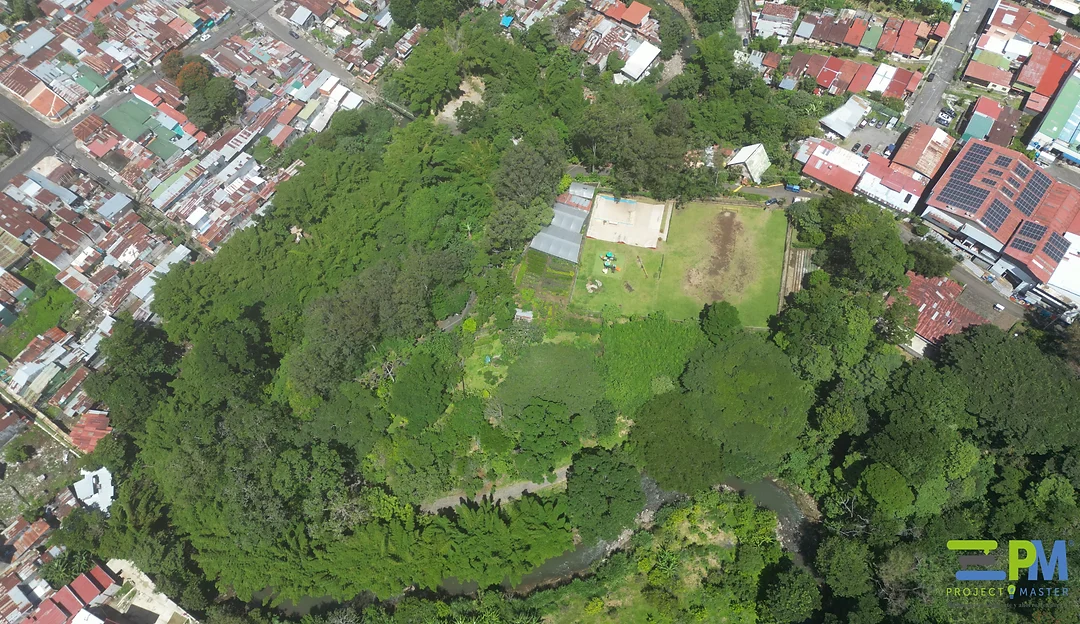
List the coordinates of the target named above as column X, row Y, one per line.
column 204, row 37
column 967, row 8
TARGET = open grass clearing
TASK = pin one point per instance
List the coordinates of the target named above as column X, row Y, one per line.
column 713, row 252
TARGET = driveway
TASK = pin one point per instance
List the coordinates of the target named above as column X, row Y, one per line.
column 926, row 103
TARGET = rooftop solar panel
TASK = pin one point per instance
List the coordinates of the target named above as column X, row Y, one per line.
column 1002, row 160
column 1025, row 246
column 1014, row 181
column 1056, row 247
column 989, row 182
column 1033, row 193
column 996, row 172
column 963, row 195
column 995, row 216
column 1032, row 230
column 1021, row 169
column 1008, row 192
column 970, row 163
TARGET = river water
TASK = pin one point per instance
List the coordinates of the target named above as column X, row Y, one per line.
column 579, row 560
column 766, row 493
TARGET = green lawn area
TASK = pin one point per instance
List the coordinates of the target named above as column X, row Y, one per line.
column 41, row 314
column 713, row 252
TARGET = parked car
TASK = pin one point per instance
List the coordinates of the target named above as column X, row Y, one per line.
column 866, row 149
column 862, row 124
column 745, row 42
column 880, row 122
column 292, row 33
column 889, row 149
column 204, row 37
column 967, row 7
column 945, row 110
column 772, row 201
column 930, row 78
column 856, row 148
column 95, row 105
column 794, row 188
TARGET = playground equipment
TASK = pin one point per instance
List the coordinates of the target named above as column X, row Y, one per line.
column 609, row 262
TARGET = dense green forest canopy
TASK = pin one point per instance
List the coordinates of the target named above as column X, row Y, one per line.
column 299, row 408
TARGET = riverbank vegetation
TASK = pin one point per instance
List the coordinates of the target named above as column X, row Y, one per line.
column 299, row 403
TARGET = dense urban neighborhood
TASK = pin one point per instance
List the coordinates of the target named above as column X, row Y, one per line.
column 538, row 311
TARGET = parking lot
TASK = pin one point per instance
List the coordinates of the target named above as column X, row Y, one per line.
column 878, row 137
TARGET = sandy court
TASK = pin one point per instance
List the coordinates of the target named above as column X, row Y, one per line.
column 631, row 221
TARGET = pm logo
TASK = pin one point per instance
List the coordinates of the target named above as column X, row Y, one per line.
column 1023, row 555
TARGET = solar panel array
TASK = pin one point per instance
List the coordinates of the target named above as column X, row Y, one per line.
column 996, row 172
column 1032, row 230
column 1021, row 169
column 989, row 182
column 971, row 162
column 1025, row 246
column 1033, row 193
column 1014, row 182
column 963, row 195
column 996, row 215
column 1002, row 160
column 1056, row 247
column 1009, row 192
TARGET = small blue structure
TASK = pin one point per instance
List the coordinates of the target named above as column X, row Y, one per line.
column 506, row 21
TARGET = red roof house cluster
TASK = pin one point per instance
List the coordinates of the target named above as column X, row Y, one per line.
column 940, row 314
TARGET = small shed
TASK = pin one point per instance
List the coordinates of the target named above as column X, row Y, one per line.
column 752, row 160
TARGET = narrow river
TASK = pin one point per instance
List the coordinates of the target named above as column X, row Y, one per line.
column 580, row 559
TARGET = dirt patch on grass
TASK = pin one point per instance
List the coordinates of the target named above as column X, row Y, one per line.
column 730, row 268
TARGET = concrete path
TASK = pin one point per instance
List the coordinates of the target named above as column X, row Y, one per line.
column 504, row 493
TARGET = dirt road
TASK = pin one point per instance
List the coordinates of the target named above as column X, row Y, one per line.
column 507, row 492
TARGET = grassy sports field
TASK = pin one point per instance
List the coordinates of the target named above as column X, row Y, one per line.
column 713, row 252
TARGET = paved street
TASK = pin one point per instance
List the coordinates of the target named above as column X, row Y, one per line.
column 926, row 103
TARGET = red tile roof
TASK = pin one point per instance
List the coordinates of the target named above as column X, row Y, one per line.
column 149, row 96
column 856, row 32
column 786, row 11
column 987, row 106
column 103, row 577
column 939, row 312
column 941, row 31
column 68, row 601
column 615, row 11
column 635, row 13
column 862, row 78
column 48, row 612
column 85, row 589
column 987, row 73
column 91, row 428
column 1069, row 47
column 924, row 149
column 905, row 42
